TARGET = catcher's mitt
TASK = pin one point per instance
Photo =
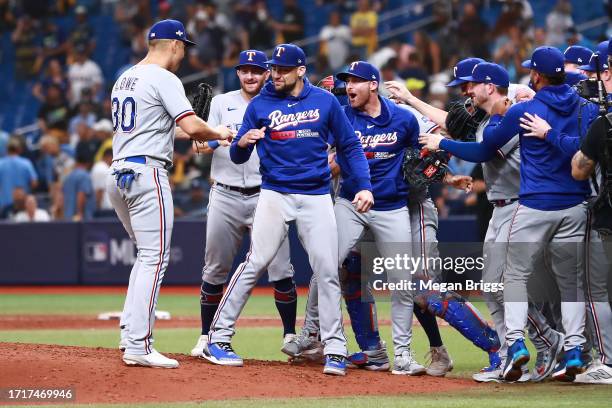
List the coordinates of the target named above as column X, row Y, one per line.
column 201, row 106
column 202, row 100
column 329, row 84
column 424, row 167
column 463, row 119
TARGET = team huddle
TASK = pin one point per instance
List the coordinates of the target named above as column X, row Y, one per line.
column 286, row 151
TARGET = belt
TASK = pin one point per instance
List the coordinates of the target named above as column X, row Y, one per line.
column 242, row 190
column 150, row 160
column 503, row 203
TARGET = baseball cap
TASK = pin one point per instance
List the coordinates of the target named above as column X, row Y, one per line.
column 253, row 58
column 288, row 55
column 360, row 69
column 169, row 30
column 577, row 54
column 602, row 52
column 546, row 60
column 489, row 73
column 462, row 69
column 610, row 46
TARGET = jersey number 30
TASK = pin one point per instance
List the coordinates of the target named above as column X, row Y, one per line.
column 124, row 114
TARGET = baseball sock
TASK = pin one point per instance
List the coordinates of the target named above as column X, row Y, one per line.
column 430, row 325
column 285, row 297
column 210, row 297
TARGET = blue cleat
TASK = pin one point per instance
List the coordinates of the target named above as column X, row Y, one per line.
column 518, row 356
column 222, row 354
column 334, row 365
column 570, row 366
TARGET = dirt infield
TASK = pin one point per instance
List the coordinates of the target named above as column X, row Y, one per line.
column 98, row 375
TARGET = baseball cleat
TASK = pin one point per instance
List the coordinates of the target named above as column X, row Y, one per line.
column 570, row 366
column 546, row 360
column 597, row 373
column 198, row 349
column 334, row 365
column 222, row 354
column 153, row 359
column 518, row 356
column 304, row 346
column 492, row 373
column 405, row 364
column 440, row 362
column 372, row 360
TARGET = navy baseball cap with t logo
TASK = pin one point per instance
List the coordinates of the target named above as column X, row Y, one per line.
column 360, row 69
column 253, row 58
column 462, row 69
column 489, row 73
column 169, row 30
column 288, row 55
column 602, row 52
column 546, row 60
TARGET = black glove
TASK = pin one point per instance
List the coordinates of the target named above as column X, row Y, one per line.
column 424, row 167
column 463, row 119
column 202, row 100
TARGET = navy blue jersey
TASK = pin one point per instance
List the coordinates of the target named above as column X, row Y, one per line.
column 293, row 154
column 384, row 140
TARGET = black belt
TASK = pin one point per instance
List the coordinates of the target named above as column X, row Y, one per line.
column 503, row 203
column 242, row 190
column 143, row 160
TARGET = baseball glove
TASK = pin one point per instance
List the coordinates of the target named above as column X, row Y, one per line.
column 424, row 167
column 463, row 119
column 329, row 84
column 201, row 106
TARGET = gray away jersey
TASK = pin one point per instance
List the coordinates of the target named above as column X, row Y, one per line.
column 228, row 110
column 501, row 175
column 147, row 102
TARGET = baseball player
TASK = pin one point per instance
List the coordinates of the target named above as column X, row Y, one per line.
column 487, row 85
column 293, row 124
column 148, row 102
column 550, row 216
column 233, row 199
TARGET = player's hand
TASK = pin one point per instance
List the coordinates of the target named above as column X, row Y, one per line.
column 523, row 94
column 501, row 107
column 535, row 125
column 363, row 201
column 459, row 182
column 398, row 91
column 225, row 133
column 251, row 137
column 430, row 141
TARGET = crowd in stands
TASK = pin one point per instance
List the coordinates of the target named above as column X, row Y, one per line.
column 63, row 174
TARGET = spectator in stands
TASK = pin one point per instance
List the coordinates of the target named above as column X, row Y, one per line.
column 18, row 197
column 32, row 213
column 388, row 72
column 473, row 33
column 416, row 73
column 558, row 21
column 125, row 13
column 82, row 33
column 364, row 26
column 208, row 51
column 53, row 164
column 7, row 17
column 103, row 133
column 54, row 113
column 54, row 43
column 429, row 51
column 54, row 74
column 78, row 192
column 573, row 37
column 99, row 172
column 15, row 172
column 28, row 58
column 84, row 116
column 86, row 143
column 335, row 41
column 291, row 28
column 511, row 50
column 195, row 204
column 438, row 95
column 83, row 74
column 257, row 32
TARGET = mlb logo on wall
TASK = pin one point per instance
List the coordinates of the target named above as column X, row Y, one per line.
column 96, row 251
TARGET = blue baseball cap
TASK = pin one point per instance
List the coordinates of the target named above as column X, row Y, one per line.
column 288, row 55
column 546, row 60
column 577, row 54
column 360, row 69
column 610, row 46
column 169, row 30
column 573, row 77
column 602, row 52
column 489, row 73
column 462, row 69
column 252, row 58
